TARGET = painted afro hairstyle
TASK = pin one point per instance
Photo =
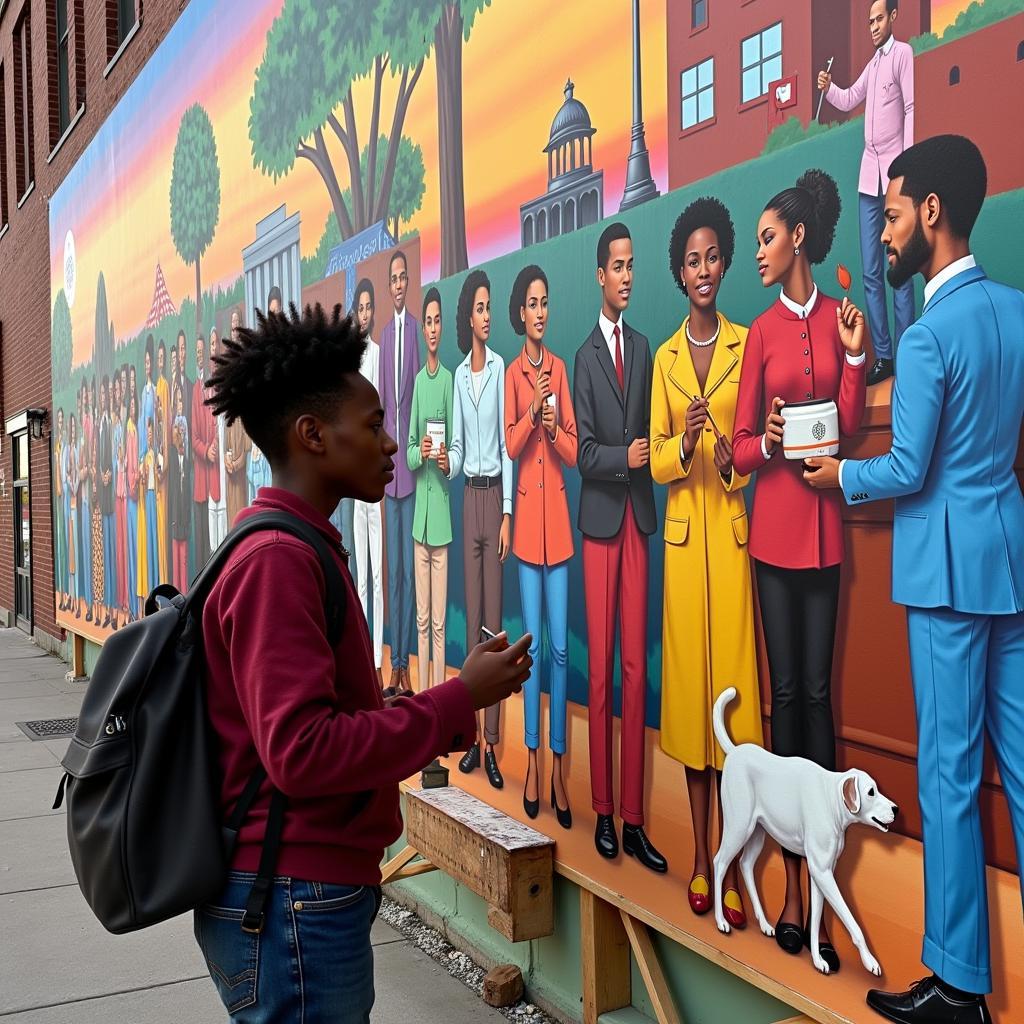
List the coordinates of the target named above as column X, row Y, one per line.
column 953, row 168
column 463, row 332
column 365, row 285
column 706, row 212
column 433, row 295
column 815, row 203
column 290, row 364
column 517, row 300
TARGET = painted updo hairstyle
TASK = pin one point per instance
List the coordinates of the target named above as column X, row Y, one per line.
column 813, row 202
column 706, row 212
column 517, row 300
column 463, row 332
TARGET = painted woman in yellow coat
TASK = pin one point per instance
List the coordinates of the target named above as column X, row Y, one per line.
column 708, row 625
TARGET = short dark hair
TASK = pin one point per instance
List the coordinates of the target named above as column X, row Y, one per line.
column 150, row 352
column 433, row 295
column 288, row 365
column 274, row 293
column 953, row 168
column 398, row 254
column 612, row 233
column 365, row 285
column 463, row 332
column 890, row 5
column 815, row 203
column 707, row 212
column 517, row 300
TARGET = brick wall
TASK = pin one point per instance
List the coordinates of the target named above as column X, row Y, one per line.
column 24, row 248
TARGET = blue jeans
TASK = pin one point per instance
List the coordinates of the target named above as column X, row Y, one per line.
column 401, row 589
column 343, row 520
column 312, row 962
column 872, row 255
column 109, row 560
column 152, row 542
column 545, row 588
column 85, row 548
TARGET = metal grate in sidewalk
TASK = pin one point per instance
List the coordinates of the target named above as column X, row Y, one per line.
column 49, row 728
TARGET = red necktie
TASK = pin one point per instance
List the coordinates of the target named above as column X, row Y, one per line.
column 619, row 371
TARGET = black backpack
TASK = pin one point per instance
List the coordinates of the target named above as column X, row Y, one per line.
column 145, row 828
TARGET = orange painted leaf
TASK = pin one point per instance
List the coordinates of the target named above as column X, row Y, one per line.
column 843, row 276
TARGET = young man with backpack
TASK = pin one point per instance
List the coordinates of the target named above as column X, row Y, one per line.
column 279, row 696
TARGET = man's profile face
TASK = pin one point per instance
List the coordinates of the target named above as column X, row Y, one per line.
column 398, row 282
column 616, row 276
column 906, row 243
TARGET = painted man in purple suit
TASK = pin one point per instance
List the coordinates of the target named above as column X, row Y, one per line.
column 886, row 87
column 399, row 364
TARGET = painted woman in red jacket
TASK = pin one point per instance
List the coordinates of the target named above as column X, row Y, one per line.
column 804, row 346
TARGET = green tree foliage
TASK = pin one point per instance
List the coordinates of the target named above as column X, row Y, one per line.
column 980, row 14
column 410, row 183
column 195, row 190
column 61, row 343
column 103, row 337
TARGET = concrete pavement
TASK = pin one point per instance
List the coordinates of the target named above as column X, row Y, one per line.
column 57, row 963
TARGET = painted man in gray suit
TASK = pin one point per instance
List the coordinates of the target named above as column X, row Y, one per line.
column 612, row 396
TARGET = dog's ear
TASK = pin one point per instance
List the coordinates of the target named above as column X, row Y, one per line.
column 851, row 794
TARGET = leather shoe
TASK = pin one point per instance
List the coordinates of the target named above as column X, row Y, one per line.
column 789, row 937
column 928, row 1002
column 827, row 951
column 605, row 838
column 563, row 814
column 636, row 844
column 494, row 776
column 881, row 369
column 470, row 760
column 699, row 895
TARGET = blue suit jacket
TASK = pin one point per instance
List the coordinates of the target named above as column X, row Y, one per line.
column 958, row 532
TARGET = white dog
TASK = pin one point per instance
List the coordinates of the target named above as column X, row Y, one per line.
column 806, row 810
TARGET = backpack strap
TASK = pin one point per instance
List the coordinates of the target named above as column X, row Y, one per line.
column 336, row 600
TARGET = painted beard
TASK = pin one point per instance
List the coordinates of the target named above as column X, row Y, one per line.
column 908, row 262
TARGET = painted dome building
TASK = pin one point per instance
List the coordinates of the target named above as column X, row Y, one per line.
column 575, row 192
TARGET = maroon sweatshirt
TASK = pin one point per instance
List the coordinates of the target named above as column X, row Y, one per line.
column 314, row 717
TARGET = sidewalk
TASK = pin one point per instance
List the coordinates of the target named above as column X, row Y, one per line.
column 59, row 966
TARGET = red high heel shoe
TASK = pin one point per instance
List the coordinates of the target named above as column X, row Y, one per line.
column 732, row 909
column 699, row 895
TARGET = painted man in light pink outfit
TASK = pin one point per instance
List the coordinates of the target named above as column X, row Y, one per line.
column 886, row 86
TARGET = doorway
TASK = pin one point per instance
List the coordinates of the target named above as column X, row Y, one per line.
column 22, row 533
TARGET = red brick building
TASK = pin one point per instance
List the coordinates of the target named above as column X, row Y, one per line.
column 64, row 64
column 722, row 55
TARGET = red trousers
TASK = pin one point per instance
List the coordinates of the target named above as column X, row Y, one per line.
column 179, row 553
column 615, row 582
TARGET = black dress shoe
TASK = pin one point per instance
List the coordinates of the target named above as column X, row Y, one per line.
column 881, row 369
column 564, row 815
column 532, row 807
column 928, row 1002
column 827, row 951
column 494, row 776
column 789, row 936
column 470, row 760
column 636, row 844
column 605, row 838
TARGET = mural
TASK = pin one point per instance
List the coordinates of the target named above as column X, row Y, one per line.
column 564, row 266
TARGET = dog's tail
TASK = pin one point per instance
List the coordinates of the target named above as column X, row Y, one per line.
column 718, row 717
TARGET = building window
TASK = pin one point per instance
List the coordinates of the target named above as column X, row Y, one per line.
column 697, row 89
column 122, row 17
column 3, row 147
column 1020, row 50
column 24, row 135
column 954, row 75
column 761, row 62
column 698, row 14
column 62, row 41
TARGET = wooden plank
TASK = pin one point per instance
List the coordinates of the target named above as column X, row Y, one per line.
column 393, row 866
column 421, row 867
column 650, row 968
column 78, row 655
column 604, row 950
column 508, row 864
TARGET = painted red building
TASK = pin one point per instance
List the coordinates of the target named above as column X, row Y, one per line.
column 723, row 54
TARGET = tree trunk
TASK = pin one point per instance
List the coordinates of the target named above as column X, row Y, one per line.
column 318, row 156
column 448, row 54
column 371, row 142
column 394, row 231
column 199, row 301
column 398, row 123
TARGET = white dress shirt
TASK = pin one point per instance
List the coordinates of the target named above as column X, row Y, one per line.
column 399, row 350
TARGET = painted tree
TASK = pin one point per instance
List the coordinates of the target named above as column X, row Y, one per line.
column 454, row 23
column 61, row 343
column 409, row 186
column 195, row 192
column 103, row 335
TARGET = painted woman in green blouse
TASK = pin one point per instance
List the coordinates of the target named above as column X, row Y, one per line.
column 430, row 431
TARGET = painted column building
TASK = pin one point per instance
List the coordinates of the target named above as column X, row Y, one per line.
column 575, row 193
column 273, row 260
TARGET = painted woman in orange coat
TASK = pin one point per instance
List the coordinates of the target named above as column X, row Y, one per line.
column 540, row 432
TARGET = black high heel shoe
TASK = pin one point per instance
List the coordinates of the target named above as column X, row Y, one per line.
column 564, row 816
column 532, row 807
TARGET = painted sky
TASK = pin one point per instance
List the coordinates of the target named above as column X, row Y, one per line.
column 116, row 198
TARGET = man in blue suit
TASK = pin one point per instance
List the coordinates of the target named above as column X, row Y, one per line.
column 958, row 553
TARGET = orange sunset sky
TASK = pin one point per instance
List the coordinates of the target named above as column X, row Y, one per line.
column 515, row 65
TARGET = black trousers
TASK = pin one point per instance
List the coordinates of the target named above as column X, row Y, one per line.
column 201, row 519
column 798, row 614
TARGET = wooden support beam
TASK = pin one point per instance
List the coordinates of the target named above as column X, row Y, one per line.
column 650, row 968
column 393, row 866
column 78, row 655
column 604, row 950
column 421, row 867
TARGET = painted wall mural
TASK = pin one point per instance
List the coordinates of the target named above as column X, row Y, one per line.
column 551, row 221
